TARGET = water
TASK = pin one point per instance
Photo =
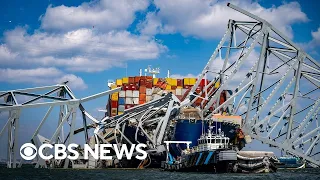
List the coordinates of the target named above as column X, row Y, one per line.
column 148, row 174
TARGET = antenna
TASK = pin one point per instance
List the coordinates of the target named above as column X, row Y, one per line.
column 153, row 71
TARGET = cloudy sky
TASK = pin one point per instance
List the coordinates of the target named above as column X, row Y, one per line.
column 45, row 42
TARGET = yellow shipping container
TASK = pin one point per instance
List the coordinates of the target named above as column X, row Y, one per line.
column 113, row 86
column 125, row 80
column 173, row 82
column 179, row 87
column 168, row 87
column 119, row 113
column 217, row 84
column 193, row 81
column 168, row 80
column 155, row 81
column 115, row 97
column 186, row 81
column 119, row 82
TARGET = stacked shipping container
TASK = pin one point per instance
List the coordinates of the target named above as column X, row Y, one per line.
column 141, row 89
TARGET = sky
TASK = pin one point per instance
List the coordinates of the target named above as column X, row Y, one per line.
column 45, row 42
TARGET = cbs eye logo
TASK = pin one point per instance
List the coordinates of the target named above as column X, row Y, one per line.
column 28, row 151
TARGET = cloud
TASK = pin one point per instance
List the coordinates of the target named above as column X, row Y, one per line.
column 79, row 50
column 40, row 76
column 313, row 43
column 104, row 15
column 208, row 19
column 316, row 37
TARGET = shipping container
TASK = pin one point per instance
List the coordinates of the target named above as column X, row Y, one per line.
column 131, row 80
column 122, row 94
column 179, row 82
column 125, row 80
column 114, row 111
column 192, row 81
column 142, row 97
column 149, row 98
column 186, row 81
column 129, row 100
column 155, row 81
column 149, row 84
column 114, row 104
column 143, row 90
column 122, row 101
column 121, row 108
column 137, row 79
column 217, row 85
column 168, row 87
column 142, row 102
column 114, row 97
column 113, row 86
column 119, row 82
column 149, row 92
column 129, row 93
column 135, row 100
column 128, row 106
column 119, row 113
column 135, row 94
column 178, row 92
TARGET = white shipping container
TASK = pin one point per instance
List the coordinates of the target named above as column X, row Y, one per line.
column 149, row 92
column 121, row 108
column 135, row 94
column 184, row 91
column 135, row 100
column 149, row 98
column 178, row 92
column 122, row 94
column 129, row 100
column 128, row 93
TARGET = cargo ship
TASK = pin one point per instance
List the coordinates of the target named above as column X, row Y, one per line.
column 138, row 90
column 187, row 126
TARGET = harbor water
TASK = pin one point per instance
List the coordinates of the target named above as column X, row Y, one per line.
column 148, row 174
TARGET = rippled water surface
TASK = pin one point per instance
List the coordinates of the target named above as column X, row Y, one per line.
column 41, row 174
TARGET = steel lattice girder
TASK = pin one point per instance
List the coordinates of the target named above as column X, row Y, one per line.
column 275, row 86
column 63, row 97
column 150, row 120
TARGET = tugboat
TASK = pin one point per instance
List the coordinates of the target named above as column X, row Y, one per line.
column 213, row 153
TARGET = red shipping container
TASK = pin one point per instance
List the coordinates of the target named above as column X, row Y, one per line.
column 222, row 97
column 204, row 82
column 149, row 84
column 179, row 82
column 149, row 78
column 142, row 102
column 142, row 97
column 125, row 87
column 142, row 90
column 136, row 79
column 134, row 87
column 114, row 104
column 187, row 87
column 143, row 78
column 131, row 80
column 128, row 106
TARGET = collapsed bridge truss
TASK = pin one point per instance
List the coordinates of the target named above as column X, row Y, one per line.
column 275, row 84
